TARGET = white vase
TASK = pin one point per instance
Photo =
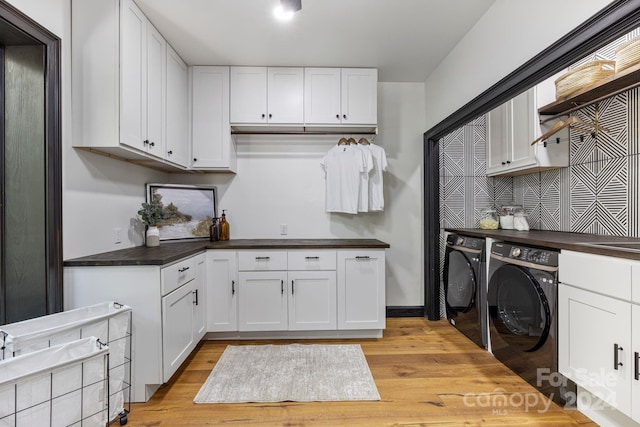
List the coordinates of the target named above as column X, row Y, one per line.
column 153, row 236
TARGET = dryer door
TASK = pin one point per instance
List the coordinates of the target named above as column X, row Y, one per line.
column 518, row 308
column 459, row 283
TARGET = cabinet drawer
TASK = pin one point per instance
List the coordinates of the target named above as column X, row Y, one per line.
column 176, row 275
column 597, row 273
column 311, row 260
column 262, row 260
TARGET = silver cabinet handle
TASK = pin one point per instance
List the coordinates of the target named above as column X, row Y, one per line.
column 182, row 270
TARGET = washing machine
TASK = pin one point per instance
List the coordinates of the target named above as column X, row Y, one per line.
column 522, row 306
column 465, row 286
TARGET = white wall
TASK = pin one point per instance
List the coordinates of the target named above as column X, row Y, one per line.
column 510, row 33
column 282, row 183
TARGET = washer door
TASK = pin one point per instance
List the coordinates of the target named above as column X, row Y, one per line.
column 459, row 283
column 518, row 308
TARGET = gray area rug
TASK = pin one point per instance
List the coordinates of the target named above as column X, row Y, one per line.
column 295, row 372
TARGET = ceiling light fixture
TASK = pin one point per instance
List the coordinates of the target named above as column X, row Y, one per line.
column 285, row 10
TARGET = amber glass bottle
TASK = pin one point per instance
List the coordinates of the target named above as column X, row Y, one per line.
column 224, row 227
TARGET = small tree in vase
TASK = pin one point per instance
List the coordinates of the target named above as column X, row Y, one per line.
column 152, row 214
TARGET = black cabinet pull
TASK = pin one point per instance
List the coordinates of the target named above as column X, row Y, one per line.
column 258, row 258
column 616, row 350
column 182, row 270
column 281, row 287
column 196, row 294
column 153, row 144
column 263, row 116
column 503, row 163
column 270, row 115
column 312, row 257
column 344, row 116
column 145, row 142
column 233, row 287
column 292, row 287
column 195, row 160
column 636, row 370
column 338, row 116
column 508, row 161
column 170, row 152
column 362, row 257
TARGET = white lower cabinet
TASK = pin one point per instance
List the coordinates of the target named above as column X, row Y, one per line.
column 312, row 300
column 222, row 291
column 168, row 304
column 361, row 289
column 263, row 300
column 599, row 334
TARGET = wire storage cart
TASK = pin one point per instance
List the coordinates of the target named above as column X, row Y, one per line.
column 62, row 385
column 109, row 322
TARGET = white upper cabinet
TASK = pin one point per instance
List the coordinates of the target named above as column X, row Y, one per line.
column 248, row 95
column 335, row 96
column 322, row 99
column 121, row 86
column 211, row 145
column 177, row 109
column 156, row 91
column 360, row 96
column 285, row 94
column 133, row 72
column 261, row 95
column 514, row 125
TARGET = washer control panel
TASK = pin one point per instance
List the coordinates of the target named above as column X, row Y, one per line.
column 526, row 253
column 465, row 241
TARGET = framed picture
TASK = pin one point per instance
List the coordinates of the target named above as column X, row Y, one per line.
column 189, row 210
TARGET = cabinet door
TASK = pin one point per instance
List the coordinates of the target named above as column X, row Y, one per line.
column 133, row 72
column 156, row 101
column 177, row 109
column 635, row 379
column 522, row 118
column 589, row 327
column 222, row 291
column 177, row 328
column 361, row 289
column 285, row 94
column 322, row 96
column 359, row 96
column 312, row 300
column 211, row 142
column 263, row 301
column 248, row 95
column 200, row 299
column 496, row 140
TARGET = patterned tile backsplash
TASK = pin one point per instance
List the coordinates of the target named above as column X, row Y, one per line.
column 598, row 193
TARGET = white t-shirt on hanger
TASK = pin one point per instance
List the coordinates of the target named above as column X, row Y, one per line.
column 343, row 165
column 364, row 197
column 376, row 180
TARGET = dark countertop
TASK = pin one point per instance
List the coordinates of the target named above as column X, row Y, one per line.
column 169, row 252
column 579, row 242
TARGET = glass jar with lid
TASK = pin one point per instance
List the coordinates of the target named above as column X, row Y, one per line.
column 488, row 219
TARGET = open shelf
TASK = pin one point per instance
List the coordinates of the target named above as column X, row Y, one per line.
column 613, row 85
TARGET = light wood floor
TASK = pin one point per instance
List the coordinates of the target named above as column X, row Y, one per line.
column 427, row 374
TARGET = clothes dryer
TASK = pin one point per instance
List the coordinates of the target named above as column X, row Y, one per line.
column 522, row 304
column 465, row 286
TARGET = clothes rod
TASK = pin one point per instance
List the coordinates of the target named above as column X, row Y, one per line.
column 241, row 132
